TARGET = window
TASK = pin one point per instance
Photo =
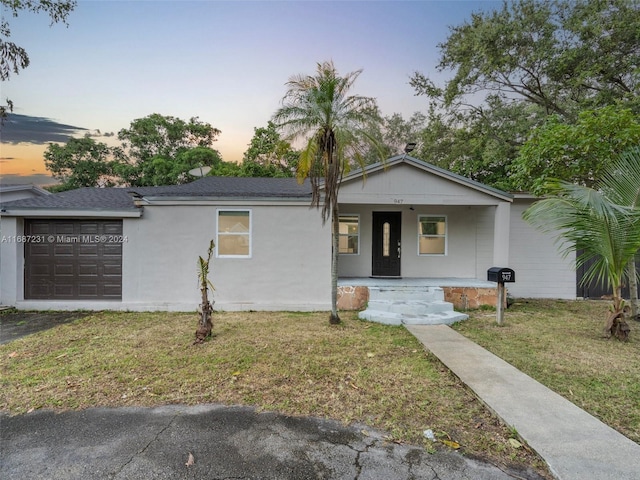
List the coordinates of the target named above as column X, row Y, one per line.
column 234, row 233
column 432, row 235
column 349, row 234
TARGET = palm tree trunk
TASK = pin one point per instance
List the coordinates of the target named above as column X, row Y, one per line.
column 633, row 289
column 335, row 237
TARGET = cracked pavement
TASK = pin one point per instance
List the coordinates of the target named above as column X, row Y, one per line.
column 226, row 443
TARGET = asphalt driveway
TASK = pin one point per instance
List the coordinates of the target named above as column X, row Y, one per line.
column 214, row 442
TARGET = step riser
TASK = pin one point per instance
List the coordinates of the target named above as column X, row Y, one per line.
column 397, row 294
column 411, row 308
column 406, row 305
column 390, row 318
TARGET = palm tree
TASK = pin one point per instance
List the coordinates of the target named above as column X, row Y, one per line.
column 334, row 125
column 603, row 222
column 205, row 325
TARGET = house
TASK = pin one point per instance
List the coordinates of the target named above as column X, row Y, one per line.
column 401, row 221
column 9, row 193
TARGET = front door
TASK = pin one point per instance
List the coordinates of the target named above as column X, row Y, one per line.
column 386, row 244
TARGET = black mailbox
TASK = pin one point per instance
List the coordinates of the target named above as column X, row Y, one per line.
column 501, row 275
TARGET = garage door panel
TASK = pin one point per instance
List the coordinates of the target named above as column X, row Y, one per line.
column 89, row 269
column 112, row 270
column 73, row 265
column 112, row 291
column 63, row 270
column 65, row 250
column 112, row 228
column 88, row 250
column 40, row 250
column 63, row 291
column 112, row 250
column 89, row 228
column 63, row 228
column 88, row 290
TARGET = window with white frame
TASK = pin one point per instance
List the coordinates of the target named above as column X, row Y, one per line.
column 432, row 235
column 233, row 233
column 349, row 235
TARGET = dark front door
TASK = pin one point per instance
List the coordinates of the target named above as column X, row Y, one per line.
column 386, row 244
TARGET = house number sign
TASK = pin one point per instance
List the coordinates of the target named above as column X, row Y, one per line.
column 398, row 201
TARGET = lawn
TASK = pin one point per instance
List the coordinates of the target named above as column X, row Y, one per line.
column 294, row 363
column 560, row 344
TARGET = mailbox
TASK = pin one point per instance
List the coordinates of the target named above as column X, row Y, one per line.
column 501, row 275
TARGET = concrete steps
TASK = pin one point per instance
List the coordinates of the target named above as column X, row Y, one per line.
column 409, row 305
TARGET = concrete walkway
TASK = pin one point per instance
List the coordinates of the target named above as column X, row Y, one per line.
column 575, row 445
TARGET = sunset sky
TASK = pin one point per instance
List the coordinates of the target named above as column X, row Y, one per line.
column 225, row 62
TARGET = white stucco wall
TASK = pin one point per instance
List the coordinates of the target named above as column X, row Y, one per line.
column 540, row 270
column 289, row 268
column 407, row 185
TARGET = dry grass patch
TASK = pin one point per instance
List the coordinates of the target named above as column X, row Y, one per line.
column 560, row 344
column 293, row 363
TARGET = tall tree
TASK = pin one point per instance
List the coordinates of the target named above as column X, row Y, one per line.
column 269, row 155
column 82, row 162
column 156, row 146
column 14, row 58
column 602, row 222
column 577, row 152
column 334, row 124
column 557, row 57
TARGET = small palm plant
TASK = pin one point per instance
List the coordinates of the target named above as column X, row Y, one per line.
column 604, row 223
column 205, row 324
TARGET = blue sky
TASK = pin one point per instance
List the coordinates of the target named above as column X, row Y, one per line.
column 224, row 62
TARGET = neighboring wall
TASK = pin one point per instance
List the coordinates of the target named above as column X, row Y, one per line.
column 540, row 270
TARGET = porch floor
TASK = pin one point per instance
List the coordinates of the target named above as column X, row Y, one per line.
column 415, row 282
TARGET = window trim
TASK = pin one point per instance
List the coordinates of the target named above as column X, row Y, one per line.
column 249, row 233
column 445, row 235
column 356, row 215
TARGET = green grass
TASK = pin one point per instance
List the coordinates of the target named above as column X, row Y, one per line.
column 293, row 363
column 560, row 344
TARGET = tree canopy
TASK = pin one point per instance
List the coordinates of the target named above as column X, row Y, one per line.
column 82, row 162
column 155, row 150
column 157, row 147
column 513, row 67
column 268, row 155
column 576, row 152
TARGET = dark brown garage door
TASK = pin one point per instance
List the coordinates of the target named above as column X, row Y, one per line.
column 73, row 259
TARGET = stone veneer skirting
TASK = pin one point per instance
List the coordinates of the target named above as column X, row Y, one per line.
column 352, row 297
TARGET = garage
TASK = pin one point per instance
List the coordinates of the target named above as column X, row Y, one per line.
column 73, row 259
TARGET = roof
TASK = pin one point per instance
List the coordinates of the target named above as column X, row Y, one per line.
column 427, row 167
column 122, row 199
column 223, row 187
column 114, row 200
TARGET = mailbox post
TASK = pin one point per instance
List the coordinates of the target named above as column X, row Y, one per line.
column 500, row 276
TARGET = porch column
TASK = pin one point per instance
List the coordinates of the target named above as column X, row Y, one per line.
column 501, row 235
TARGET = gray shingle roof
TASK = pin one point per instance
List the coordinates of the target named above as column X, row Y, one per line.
column 252, row 187
column 122, row 198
